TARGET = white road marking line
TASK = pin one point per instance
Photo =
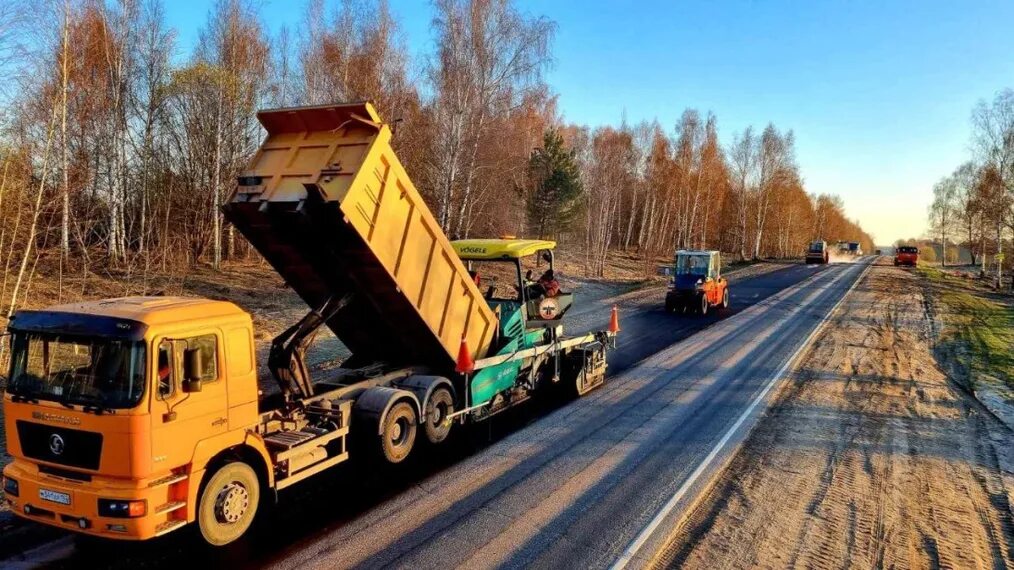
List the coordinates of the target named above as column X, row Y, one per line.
column 647, row 532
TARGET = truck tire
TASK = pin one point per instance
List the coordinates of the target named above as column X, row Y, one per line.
column 438, row 407
column 398, row 434
column 228, row 503
column 703, row 308
column 725, row 298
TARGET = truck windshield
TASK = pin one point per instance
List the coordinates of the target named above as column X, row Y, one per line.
column 692, row 265
column 95, row 372
column 817, row 246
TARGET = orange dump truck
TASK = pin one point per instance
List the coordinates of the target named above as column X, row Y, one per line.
column 130, row 418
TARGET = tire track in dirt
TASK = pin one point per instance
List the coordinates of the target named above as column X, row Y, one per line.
column 870, row 457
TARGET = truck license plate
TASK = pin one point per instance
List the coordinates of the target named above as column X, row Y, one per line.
column 54, row 496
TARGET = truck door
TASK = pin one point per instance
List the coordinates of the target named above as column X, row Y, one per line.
column 180, row 420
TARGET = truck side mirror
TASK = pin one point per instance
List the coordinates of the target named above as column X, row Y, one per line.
column 193, row 370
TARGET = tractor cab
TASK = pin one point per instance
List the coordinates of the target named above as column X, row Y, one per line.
column 516, row 276
column 697, row 283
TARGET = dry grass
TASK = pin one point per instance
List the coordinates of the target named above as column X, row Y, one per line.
column 978, row 324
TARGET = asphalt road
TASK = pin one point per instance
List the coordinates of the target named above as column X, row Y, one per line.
column 570, row 483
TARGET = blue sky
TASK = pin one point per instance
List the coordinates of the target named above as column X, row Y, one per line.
column 879, row 94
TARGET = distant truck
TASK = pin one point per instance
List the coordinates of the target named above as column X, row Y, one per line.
column 131, row 418
column 697, row 283
column 854, row 249
column 906, row 255
column 817, row 252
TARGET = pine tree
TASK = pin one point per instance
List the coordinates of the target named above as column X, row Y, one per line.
column 553, row 199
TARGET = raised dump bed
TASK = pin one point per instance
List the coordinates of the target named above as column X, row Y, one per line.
column 327, row 203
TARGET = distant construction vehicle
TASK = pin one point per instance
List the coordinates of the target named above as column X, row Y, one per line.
column 131, row 418
column 818, row 252
column 906, row 255
column 697, row 283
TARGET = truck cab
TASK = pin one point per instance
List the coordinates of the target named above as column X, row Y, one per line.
column 906, row 255
column 114, row 409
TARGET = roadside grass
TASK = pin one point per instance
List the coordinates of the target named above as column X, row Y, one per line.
column 980, row 329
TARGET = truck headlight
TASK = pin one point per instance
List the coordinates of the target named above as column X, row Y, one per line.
column 10, row 487
column 118, row 509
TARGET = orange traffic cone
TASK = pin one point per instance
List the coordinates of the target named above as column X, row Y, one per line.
column 614, row 321
column 465, row 364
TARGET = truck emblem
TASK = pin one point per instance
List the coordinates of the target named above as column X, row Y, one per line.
column 56, row 444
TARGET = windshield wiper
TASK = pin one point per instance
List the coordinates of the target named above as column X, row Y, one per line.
column 97, row 409
column 19, row 399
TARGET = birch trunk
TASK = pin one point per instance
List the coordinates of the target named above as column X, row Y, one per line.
column 33, row 228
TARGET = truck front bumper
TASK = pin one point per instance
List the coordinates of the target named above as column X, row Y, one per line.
column 74, row 505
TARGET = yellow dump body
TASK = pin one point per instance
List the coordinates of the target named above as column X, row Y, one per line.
column 327, row 203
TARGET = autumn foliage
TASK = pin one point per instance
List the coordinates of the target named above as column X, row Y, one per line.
column 117, row 148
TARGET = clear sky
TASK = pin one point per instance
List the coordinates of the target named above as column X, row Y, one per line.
column 879, row 94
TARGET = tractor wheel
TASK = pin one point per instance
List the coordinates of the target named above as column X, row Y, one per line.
column 398, row 434
column 438, row 407
column 228, row 503
column 703, row 309
column 725, row 298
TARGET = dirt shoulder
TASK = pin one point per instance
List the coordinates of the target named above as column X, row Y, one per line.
column 975, row 336
column 869, row 456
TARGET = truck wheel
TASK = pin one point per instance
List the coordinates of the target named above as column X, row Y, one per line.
column 398, row 435
column 725, row 298
column 438, row 407
column 228, row 503
column 703, row 309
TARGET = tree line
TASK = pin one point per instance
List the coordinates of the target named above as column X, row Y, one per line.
column 116, row 149
column 974, row 205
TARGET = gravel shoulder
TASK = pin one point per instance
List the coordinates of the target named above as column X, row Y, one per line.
column 871, row 456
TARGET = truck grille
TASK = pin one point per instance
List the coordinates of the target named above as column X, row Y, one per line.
column 71, row 447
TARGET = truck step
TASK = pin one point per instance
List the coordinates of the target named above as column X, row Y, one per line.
column 287, row 439
column 312, row 470
column 169, row 526
column 168, row 480
column 170, row 507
